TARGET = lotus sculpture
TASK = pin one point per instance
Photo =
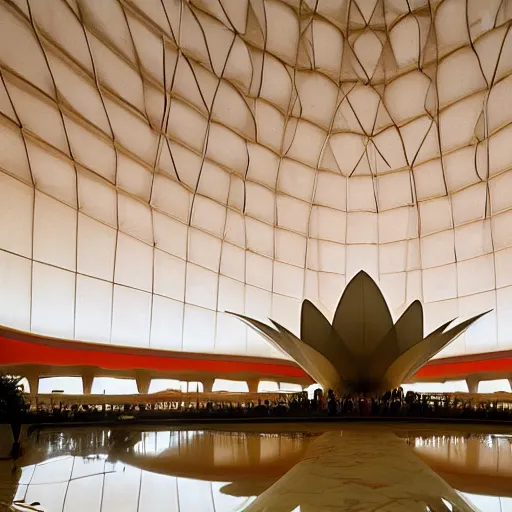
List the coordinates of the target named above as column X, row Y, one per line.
column 362, row 351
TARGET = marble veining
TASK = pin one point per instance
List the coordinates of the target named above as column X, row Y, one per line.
column 360, row 471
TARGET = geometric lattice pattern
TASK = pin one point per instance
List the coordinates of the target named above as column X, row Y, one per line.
column 163, row 161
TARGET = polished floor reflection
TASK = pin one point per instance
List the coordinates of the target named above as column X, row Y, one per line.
column 288, row 468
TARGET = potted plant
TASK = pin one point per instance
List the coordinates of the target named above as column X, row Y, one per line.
column 12, row 410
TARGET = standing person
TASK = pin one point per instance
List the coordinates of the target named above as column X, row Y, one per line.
column 331, row 403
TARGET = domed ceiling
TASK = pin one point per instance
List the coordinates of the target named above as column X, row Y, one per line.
column 163, row 161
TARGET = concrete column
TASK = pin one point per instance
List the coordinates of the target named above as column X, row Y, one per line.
column 472, row 383
column 33, row 382
column 207, row 385
column 143, row 382
column 87, row 379
column 253, row 385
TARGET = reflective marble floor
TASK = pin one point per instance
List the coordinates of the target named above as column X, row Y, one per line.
column 289, row 468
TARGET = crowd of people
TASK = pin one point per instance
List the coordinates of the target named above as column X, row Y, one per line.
column 392, row 404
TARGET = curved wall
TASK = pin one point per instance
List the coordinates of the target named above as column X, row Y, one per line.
column 162, row 162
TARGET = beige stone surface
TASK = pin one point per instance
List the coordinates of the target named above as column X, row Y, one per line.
column 360, row 472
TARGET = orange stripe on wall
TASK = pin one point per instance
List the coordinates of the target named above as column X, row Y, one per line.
column 21, row 352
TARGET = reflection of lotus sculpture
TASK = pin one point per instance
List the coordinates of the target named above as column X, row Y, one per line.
column 362, row 350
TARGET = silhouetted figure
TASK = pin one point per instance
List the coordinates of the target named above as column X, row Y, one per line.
column 331, row 403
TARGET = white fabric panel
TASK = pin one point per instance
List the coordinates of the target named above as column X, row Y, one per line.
column 169, row 276
column 329, row 286
column 503, row 265
column 231, row 295
column 204, row 249
column 414, row 286
column 483, row 337
column 134, row 263
column 362, row 257
column 398, row 224
column 286, row 311
column 235, row 228
column 170, row 235
column 13, row 156
column 53, row 301
column 96, row 248
column 266, row 162
column 16, row 207
column 290, row 247
column 131, row 317
column 166, row 324
column 53, row 175
column 476, row 275
column 503, row 305
column 230, row 335
column 307, row 143
column 440, row 283
column 198, row 329
column 393, row 257
column 258, row 304
column 214, row 182
column 260, row 237
column 288, row 280
column 438, row 249
column 93, row 309
column 395, row 190
column 15, row 289
column 326, row 256
column 459, row 168
column 437, row 313
column 209, row 216
column 134, row 218
column 435, row 215
column 91, row 150
column 328, row 224
column 394, row 289
column 498, row 187
column 501, row 230
column 258, row 270
column 362, row 228
column 260, row 202
column 270, row 123
column 232, row 262
column 296, row 179
column 54, row 232
column 133, row 177
column 361, row 194
column 473, row 240
column 331, row 190
column 201, row 287
column 469, row 204
column 263, row 165
column 292, row 214
column 171, row 198
column 429, row 180
column 39, row 117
